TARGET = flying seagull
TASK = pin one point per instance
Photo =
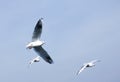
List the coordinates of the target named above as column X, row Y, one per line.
column 86, row 65
column 36, row 43
column 36, row 59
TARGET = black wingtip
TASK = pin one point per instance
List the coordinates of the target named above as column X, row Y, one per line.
column 50, row 61
column 39, row 23
column 40, row 19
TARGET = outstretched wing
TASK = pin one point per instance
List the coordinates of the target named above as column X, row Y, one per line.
column 94, row 61
column 37, row 31
column 43, row 54
column 81, row 69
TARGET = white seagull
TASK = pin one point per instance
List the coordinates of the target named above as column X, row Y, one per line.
column 37, row 43
column 36, row 59
column 89, row 64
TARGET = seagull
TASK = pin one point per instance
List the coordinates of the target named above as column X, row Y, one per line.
column 36, row 43
column 36, row 59
column 86, row 65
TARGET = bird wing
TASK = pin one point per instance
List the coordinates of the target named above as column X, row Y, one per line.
column 43, row 54
column 94, row 61
column 81, row 69
column 37, row 31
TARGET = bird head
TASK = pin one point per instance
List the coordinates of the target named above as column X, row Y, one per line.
column 29, row 46
column 43, row 42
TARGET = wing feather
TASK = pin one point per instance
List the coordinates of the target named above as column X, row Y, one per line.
column 43, row 54
column 37, row 31
column 94, row 61
column 81, row 69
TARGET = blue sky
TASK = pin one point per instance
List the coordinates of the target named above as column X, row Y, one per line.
column 75, row 32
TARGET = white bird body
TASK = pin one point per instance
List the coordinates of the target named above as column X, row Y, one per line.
column 86, row 65
column 36, row 43
column 89, row 64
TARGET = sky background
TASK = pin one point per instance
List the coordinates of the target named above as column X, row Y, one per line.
column 75, row 32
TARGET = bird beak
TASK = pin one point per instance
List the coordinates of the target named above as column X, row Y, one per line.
column 29, row 47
